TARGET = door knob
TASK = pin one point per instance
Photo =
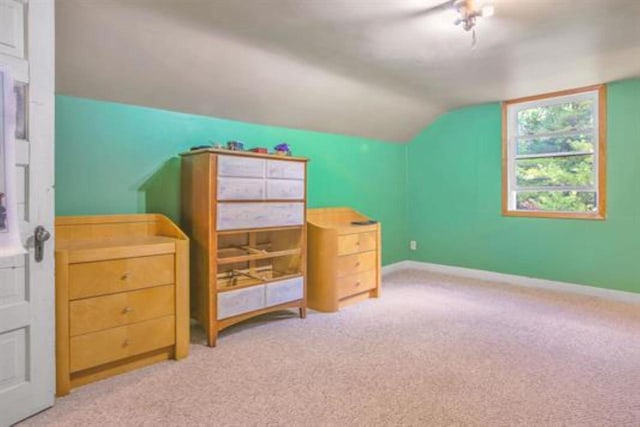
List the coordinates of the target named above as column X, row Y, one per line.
column 40, row 236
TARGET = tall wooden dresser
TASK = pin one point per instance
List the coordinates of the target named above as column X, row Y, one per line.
column 245, row 214
column 122, row 298
column 344, row 259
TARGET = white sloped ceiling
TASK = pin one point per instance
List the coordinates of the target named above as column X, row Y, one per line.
column 373, row 68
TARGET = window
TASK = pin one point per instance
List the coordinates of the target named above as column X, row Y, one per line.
column 20, row 90
column 554, row 156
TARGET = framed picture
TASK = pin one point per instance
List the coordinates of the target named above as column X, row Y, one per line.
column 10, row 243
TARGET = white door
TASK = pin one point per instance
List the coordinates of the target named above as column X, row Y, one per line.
column 27, row 324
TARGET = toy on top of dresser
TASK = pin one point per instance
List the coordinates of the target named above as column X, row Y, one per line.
column 282, row 149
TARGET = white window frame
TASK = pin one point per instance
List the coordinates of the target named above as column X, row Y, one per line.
column 510, row 138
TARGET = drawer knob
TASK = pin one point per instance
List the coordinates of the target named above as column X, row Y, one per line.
column 126, row 276
column 357, row 284
column 125, row 343
column 358, row 264
column 358, row 243
column 127, row 310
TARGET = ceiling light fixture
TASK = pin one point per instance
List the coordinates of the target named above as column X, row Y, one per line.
column 469, row 12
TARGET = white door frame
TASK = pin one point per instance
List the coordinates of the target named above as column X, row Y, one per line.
column 35, row 313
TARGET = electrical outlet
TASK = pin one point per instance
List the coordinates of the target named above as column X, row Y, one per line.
column 413, row 245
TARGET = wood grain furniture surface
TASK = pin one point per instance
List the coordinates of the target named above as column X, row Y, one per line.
column 245, row 215
column 344, row 259
column 122, row 295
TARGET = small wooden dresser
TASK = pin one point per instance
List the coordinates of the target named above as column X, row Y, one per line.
column 122, row 295
column 344, row 259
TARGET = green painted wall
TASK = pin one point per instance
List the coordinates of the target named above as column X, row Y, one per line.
column 454, row 170
column 115, row 158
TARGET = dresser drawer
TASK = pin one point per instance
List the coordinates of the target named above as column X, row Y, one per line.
column 353, row 243
column 241, row 166
column 109, row 311
column 107, row 277
column 241, row 189
column 285, row 169
column 109, row 345
column 356, row 283
column 349, row 264
column 285, row 189
column 232, row 303
column 233, row 216
column 284, row 291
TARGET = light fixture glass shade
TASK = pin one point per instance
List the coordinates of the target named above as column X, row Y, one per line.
column 488, row 10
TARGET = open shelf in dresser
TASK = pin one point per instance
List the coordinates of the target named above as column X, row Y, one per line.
column 253, row 257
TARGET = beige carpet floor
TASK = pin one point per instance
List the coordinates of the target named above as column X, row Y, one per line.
column 434, row 350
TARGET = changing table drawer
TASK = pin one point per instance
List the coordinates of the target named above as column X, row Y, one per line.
column 356, row 283
column 354, row 243
column 349, row 264
column 106, row 277
column 113, row 344
column 109, row 311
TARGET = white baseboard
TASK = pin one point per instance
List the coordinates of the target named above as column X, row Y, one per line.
column 397, row 266
column 513, row 279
